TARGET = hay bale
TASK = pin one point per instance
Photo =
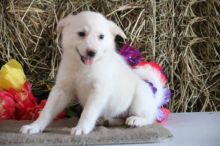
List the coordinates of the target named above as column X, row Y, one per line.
column 181, row 35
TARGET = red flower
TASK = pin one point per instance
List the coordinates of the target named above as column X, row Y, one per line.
column 62, row 115
column 38, row 109
column 25, row 102
column 7, row 105
column 16, row 99
column 21, row 105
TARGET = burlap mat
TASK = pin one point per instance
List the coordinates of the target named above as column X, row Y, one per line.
column 58, row 133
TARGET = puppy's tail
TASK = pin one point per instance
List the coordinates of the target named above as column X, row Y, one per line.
column 153, row 74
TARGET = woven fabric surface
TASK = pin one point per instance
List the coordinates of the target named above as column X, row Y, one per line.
column 58, row 133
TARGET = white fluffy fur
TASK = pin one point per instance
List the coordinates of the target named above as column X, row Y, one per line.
column 106, row 88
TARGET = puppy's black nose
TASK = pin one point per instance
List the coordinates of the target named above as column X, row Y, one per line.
column 90, row 53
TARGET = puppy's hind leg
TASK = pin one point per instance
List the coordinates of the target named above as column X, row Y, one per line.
column 143, row 109
column 58, row 99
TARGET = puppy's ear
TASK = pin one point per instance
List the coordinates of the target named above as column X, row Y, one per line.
column 63, row 22
column 116, row 30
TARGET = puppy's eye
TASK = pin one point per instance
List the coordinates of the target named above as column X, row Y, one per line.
column 81, row 34
column 101, row 36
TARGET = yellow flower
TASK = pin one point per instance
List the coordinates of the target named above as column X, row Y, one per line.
column 12, row 75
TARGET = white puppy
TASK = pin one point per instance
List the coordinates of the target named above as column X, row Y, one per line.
column 93, row 73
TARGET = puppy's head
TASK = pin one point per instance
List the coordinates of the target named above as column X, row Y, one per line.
column 88, row 35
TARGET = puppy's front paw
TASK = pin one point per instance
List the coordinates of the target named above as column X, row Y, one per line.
column 135, row 121
column 78, row 131
column 30, row 129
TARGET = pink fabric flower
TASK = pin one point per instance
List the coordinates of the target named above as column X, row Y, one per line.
column 131, row 55
column 134, row 58
column 162, row 115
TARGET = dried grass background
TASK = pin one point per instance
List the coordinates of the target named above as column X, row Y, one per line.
column 182, row 35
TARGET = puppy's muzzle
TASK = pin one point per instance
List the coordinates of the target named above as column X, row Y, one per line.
column 88, row 58
column 90, row 53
